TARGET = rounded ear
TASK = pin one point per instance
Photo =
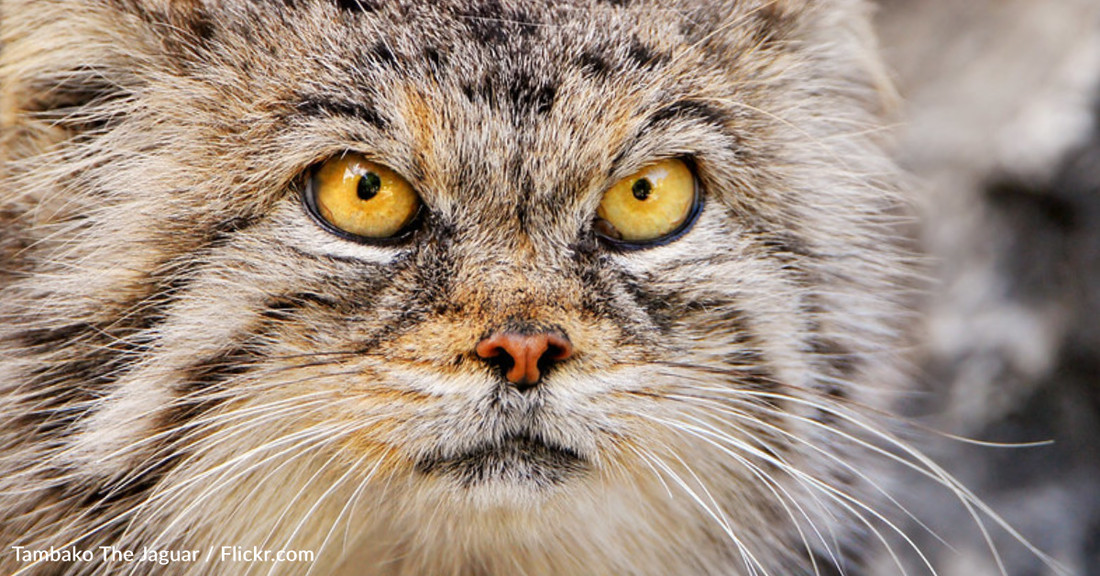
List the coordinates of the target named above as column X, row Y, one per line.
column 173, row 12
column 57, row 57
column 841, row 33
column 845, row 30
column 67, row 65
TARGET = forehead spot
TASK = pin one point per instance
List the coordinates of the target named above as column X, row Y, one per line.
column 489, row 22
column 523, row 93
column 381, row 55
column 641, row 55
column 356, row 6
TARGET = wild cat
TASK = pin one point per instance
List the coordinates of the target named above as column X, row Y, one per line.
column 468, row 287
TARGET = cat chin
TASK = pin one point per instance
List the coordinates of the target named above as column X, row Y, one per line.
column 591, row 524
column 519, row 460
column 380, row 513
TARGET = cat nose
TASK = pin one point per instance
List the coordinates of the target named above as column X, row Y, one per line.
column 525, row 353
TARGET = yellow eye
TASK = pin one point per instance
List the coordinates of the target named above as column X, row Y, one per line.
column 654, row 203
column 362, row 198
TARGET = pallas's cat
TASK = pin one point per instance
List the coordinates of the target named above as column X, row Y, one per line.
column 467, row 287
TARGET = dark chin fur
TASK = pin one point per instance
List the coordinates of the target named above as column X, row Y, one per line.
column 519, row 459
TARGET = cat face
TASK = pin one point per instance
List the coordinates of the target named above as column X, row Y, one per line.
column 496, row 368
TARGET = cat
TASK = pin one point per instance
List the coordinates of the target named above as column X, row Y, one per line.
column 468, row 287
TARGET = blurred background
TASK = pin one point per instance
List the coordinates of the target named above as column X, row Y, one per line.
column 999, row 128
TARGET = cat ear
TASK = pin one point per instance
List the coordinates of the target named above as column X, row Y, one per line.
column 844, row 33
column 783, row 18
column 52, row 64
column 164, row 6
column 70, row 66
column 184, row 13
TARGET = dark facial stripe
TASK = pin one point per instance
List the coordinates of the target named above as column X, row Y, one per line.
column 127, row 491
column 327, row 105
column 490, row 22
column 287, row 307
column 523, row 94
column 838, row 360
column 81, row 359
column 211, row 372
column 643, row 56
column 381, row 55
column 594, row 63
column 687, row 111
column 200, row 386
column 849, row 560
column 56, row 386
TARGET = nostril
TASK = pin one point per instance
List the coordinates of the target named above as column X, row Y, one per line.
column 557, row 348
column 489, row 348
column 524, row 356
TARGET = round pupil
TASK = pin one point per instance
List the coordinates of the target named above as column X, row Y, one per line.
column 368, row 187
column 642, row 188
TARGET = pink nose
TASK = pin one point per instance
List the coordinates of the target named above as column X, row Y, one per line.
column 525, row 351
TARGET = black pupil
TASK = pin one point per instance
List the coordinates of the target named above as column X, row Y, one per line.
column 642, row 188
column 368, row 187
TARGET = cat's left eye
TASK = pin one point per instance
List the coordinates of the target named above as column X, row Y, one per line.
column 654, row 205
column 356, row 197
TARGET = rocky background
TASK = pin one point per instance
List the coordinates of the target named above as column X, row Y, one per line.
column 999, row 127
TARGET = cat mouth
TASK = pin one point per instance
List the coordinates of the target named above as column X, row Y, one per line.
column 518, row 458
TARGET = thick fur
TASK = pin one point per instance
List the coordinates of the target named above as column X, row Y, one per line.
column 187, row 360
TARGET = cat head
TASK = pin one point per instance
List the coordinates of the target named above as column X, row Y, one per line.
column 221, row 327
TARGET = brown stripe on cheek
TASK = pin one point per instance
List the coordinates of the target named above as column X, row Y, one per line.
column 829, row 355
column 609, row 293
column 199, row 390
column 159, row 458
column 56, row 386
column 791, row 251
column 839, row 361
column 728, row 325
column 78, row 362
column 208, row 383
column 290, row 306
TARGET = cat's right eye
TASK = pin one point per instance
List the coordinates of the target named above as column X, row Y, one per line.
column 354, row 196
